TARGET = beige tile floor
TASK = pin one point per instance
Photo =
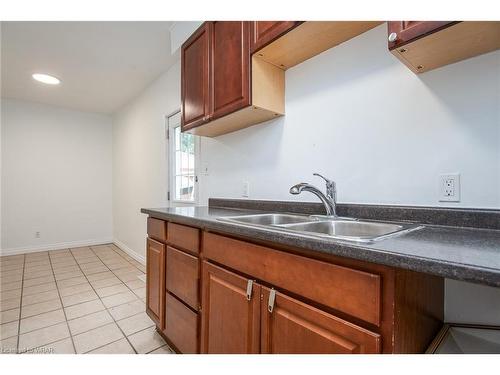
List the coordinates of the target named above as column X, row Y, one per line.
column 81, row 300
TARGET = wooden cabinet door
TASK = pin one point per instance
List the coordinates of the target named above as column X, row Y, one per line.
column 230, row 321
column 195, row 78
column 407, row 31
column 155, row 281
column 264, row 32
column 230, row 47
column 294, row 327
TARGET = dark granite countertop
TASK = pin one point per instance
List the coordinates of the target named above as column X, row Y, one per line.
column 469, row 254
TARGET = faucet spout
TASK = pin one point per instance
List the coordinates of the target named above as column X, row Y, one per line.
column 328, row 201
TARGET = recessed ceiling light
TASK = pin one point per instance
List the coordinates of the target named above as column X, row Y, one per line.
column 45, row 78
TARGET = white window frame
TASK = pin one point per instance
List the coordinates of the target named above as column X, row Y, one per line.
column 173, row 121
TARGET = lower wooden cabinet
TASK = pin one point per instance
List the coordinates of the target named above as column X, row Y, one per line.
column 290, row 326
column 240, row 316
column 155, row 281
column 230, row 312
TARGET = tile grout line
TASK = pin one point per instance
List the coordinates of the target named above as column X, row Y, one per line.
column 132, row 292
column 20, row 306
column 62, row 305
column 112, row 317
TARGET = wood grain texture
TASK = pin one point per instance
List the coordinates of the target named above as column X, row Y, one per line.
column 155, row 282
column 268, row 86
column 451, row 44
column 157, row 229
column 181, row 326
column 408, row 31
column 196, row 78
column 230, row 322
column 182, row 276
column 294, row 327
column 419, row 310
column 184, row 237
column 353, row 292
column 238, row 120
column 230, row 55
column 264, row 32
column 311, row 38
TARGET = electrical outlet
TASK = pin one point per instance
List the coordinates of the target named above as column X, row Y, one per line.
column 449, row 187
column 246, row 189
column 37, row 234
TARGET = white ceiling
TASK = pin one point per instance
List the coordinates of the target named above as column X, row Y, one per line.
column 102, row 65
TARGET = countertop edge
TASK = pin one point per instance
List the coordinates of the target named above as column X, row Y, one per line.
column 452, row 270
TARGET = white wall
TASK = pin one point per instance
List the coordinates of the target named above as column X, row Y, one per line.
column 56, row 177
column 384, row 134
column 139, row 159
column 354, row 113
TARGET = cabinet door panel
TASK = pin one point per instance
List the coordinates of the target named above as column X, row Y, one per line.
column 264, row 32
column 407, row 31
column 231, row 66
column 155, row 281
column 294, row 327
column 195, row 78
column 182, row 276
column 230, row 322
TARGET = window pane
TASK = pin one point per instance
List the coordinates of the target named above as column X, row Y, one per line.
column 183, row 170
column 178, row 136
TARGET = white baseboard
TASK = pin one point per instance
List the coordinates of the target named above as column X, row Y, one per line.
column 140, row 258
column 55, row 246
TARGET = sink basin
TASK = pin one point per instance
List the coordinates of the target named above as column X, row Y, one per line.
column 270, row 219
column 346, row 229
column 361, row 231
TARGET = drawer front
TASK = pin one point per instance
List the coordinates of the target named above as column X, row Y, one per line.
column 356, row 293
column 181, row 326
column 182, row 276
column 184, row 237
column 157, row 229
column 294, row 327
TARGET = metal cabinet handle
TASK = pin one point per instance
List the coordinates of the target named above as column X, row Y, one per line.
column 393, row 37
column 270, row 302
column 249, row 289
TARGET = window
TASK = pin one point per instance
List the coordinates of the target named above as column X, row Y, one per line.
column 183, row 154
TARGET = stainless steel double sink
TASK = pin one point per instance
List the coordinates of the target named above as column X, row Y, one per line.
column 347, row 229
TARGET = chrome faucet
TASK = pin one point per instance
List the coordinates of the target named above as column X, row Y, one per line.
column 329, row 200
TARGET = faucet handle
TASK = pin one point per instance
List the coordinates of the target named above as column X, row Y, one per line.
column 330, row 186
column 328, row 182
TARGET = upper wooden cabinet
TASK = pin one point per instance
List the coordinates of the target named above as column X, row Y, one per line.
column 264, row 32
column 426, row 45
column 231, row 67
column 223, row 90
column 308, row 39
column 196, row 81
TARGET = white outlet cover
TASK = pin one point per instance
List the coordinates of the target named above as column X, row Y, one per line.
column 449, row 187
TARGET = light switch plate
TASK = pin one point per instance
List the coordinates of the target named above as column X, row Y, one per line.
column 449, row 187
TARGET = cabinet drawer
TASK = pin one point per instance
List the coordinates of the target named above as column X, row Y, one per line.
column 183, row 237
column 356, row 293
column 181, row 326
column 157, row 229
column 182, row 276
